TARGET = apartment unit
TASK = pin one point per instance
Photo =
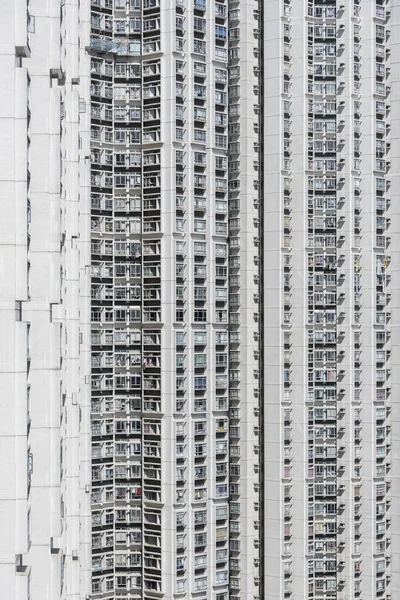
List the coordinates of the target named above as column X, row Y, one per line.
column 200, row 299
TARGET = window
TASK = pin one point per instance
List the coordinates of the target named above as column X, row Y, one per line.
column 221, row 360
column 199, row 158
column 200, row 135
column 200, row 517
column 200, row 337
column 200, row 248
column 200, row 361
column 221, row 577
column 221, row 381
column 221, row 512
column 220, row 141
column 200, row 316
column 180, row 338
column 221, row 250
column 221, row 337
column 221, row 448
column 200, row 561
column 221, row 555
column 380, row 585
column 200, row 92
column 221, row 293
column 200, row 428
column 200, row 225
column 200, row 584
column 200, row 539
column 200, row 383
column 200, row 113
column 221, row 491
column 380, row 566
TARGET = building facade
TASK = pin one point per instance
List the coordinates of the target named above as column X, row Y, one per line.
column 45, row 261
column 199, row 299
column 329, row 288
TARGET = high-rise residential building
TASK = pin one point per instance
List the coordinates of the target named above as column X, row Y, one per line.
column 200, row 299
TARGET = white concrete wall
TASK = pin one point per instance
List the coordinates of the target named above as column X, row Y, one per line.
column 40, row 274
column 13, row 269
